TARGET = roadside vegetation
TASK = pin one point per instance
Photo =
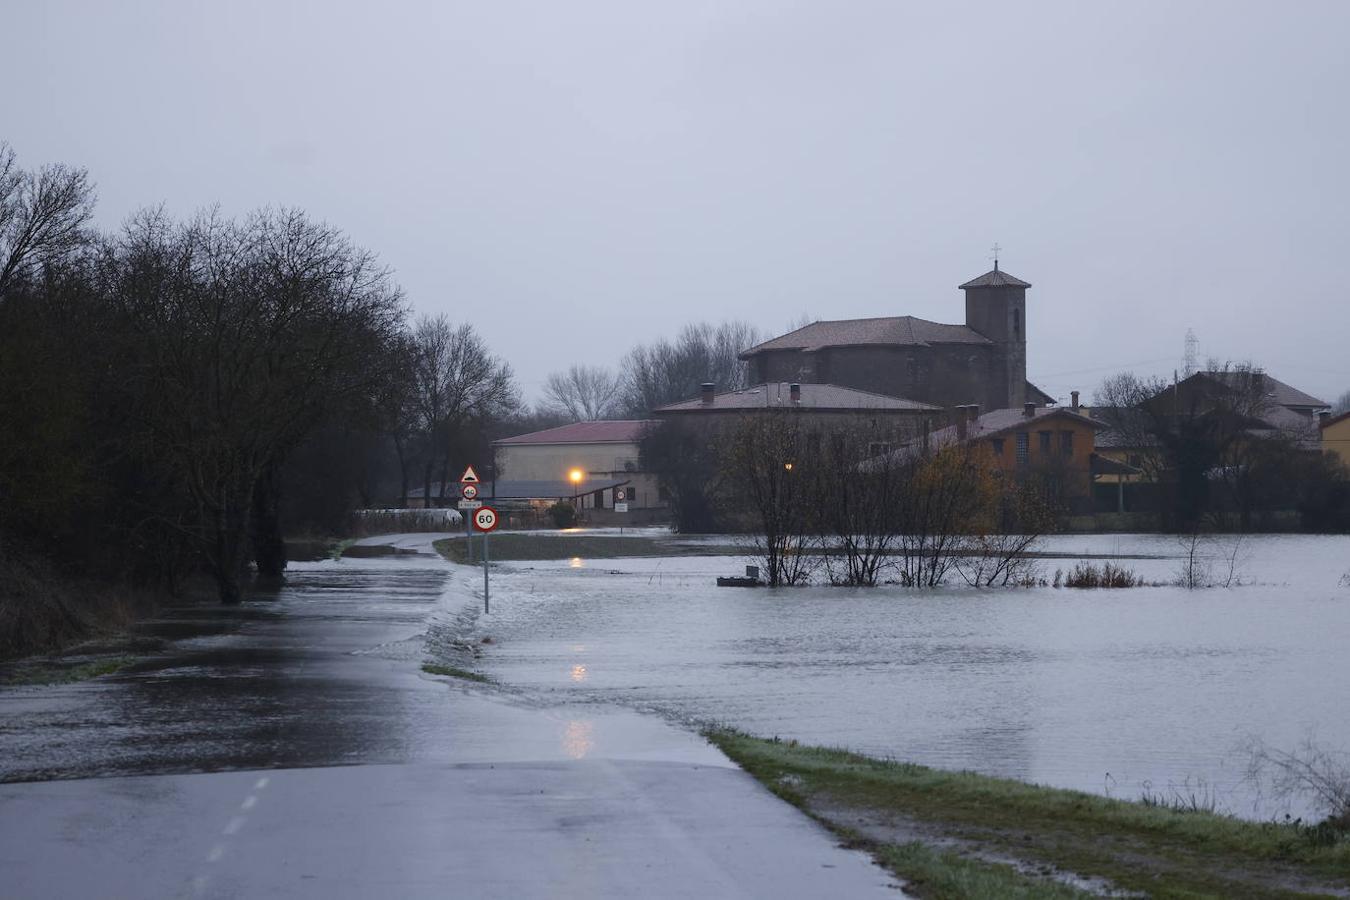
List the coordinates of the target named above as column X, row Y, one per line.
column 515, row 546
column 54, row 673
column 455, row 672
column 958, row 834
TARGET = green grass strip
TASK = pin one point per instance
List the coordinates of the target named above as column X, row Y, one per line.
column 1161, row 851
column 453, row 672
column 70, row 674
column 514, row 546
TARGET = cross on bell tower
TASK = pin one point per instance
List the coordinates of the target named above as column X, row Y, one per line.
column 994, row 249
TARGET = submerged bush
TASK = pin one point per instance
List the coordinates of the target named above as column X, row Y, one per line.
column 564, row 515
column 1110, row 575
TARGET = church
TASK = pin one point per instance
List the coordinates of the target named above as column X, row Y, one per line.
column 983, row 362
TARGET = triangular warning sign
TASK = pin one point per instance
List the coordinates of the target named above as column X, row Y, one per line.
column 469, row 476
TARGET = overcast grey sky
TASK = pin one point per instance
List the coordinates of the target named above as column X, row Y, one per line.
column 574, row 177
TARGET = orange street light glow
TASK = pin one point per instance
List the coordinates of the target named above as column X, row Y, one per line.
column 575, row 475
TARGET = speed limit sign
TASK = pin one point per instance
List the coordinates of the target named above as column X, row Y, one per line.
column 485, row 519
column 469, row 491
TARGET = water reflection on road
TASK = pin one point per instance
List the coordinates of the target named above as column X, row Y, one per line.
column 326, row 673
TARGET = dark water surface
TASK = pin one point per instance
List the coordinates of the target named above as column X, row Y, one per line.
column 324, row 674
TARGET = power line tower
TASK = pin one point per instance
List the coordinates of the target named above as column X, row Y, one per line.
column 1192, row 342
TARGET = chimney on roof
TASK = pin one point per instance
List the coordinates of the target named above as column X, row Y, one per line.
column 962, row 423
column 795, row 392
column 1028, row 409
column 1074, row 395
column 706, row 391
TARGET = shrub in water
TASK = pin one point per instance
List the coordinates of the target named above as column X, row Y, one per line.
column 1110, row 575
column 564, row 515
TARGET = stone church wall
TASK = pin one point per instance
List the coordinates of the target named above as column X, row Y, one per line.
column 942, row 374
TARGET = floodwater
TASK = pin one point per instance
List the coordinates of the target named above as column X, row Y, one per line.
column 1154, row 689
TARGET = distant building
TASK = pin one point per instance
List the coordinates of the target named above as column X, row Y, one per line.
column 1058, row 440
column 1335, row 436
column 1267, row 407
column 604, row 453
column 818, row 404
column 983, row 362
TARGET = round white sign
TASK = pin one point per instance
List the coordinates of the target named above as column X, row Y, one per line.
column 485, row 519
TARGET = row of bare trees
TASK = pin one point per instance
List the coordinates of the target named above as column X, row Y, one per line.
column 166, row 387
column 838, row 497
column 651, row 375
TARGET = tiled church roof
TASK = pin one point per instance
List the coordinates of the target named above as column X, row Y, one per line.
column 895, row 330
column 995, row 278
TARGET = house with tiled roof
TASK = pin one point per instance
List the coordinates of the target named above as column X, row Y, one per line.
column 817, row 406
column 980, row 362
column 1058, row 440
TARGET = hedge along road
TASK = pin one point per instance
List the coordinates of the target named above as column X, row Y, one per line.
column 293, row 747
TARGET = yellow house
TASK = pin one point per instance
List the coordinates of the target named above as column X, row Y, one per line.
column 1336, row 436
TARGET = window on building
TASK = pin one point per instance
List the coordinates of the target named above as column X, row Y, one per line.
column 1066, row 443
column 1045, row 442
column 1022, row 438
column 997, row 444
column 1017, row 322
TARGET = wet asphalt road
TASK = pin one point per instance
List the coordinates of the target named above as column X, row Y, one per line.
column 328, row 765
column 324, row 674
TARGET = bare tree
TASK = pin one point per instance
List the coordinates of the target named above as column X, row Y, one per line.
column 42, row 215
column 860, row 503
column 240, row 338
column 1211, row 429
column 455, row 378
column 768, row 459
column 950, row 501
column 585, row 393
column 669, row 371
column 1342, row 404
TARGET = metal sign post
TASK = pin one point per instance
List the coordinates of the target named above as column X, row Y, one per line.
column 468, row 490
column 485, row 520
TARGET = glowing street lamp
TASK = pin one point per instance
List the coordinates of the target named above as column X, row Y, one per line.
column 575, row 477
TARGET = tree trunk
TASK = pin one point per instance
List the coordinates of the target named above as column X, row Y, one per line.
column 269, row 549
column 230, row 557
column 402, row 472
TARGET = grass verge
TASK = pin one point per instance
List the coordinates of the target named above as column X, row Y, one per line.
column 48, row 674
column 959, row 834
column 453, row 672
column 513, row 546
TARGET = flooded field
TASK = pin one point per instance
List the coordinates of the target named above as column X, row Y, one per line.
column 1151, row 689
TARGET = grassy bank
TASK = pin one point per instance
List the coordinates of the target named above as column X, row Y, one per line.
column 524, row 546
column 44, row 610
column 455, row 672
column 52, row 673
column 958, row 834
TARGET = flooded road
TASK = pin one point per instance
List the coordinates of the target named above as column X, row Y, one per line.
column 325, row 764
column 324, row 674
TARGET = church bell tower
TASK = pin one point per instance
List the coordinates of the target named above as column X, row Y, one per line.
column 996, row 307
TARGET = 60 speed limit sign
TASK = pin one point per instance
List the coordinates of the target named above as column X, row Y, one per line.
column 485, row 519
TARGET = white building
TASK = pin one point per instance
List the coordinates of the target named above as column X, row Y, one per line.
column 605, row 454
